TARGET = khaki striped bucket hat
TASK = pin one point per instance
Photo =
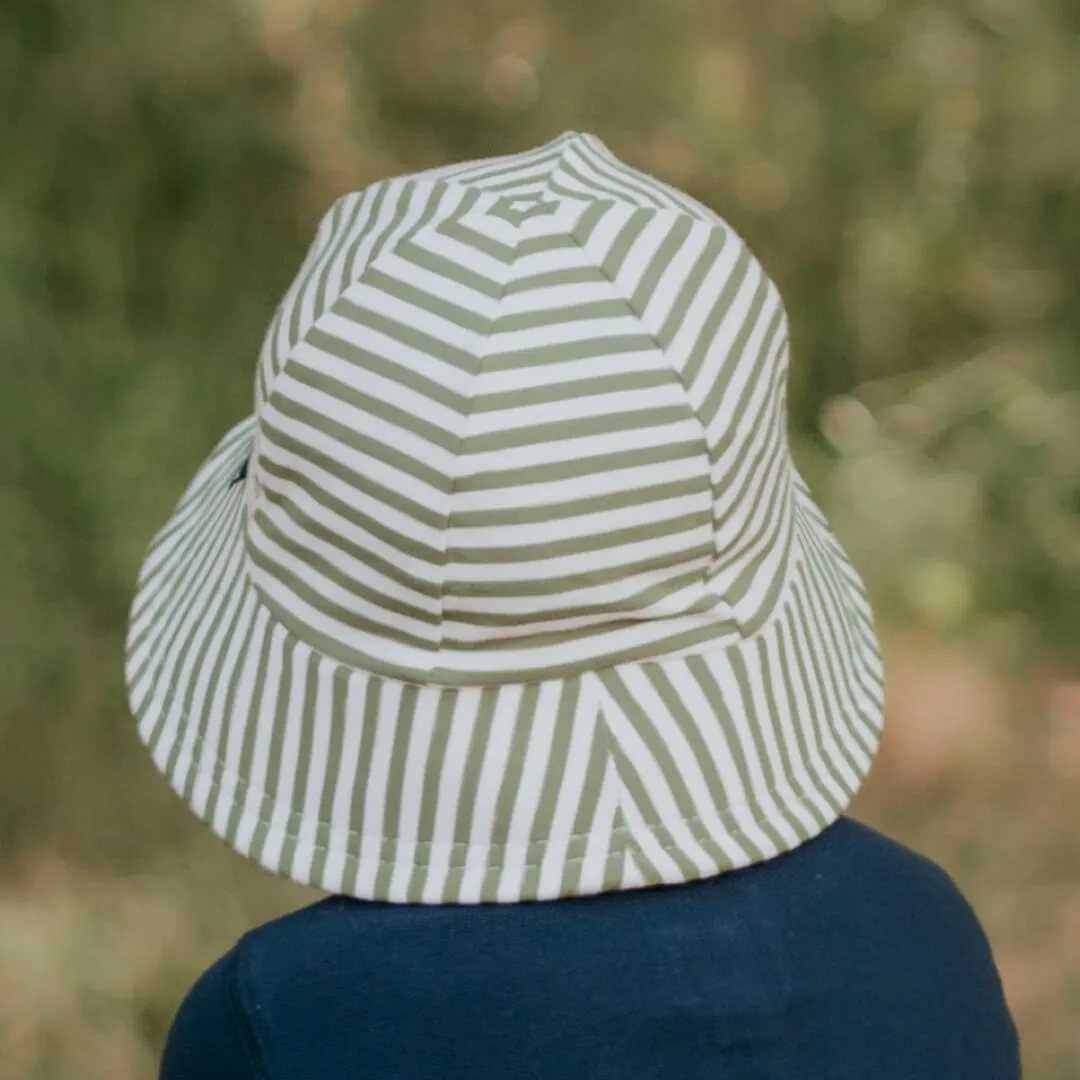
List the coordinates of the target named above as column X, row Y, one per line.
column 509, row 589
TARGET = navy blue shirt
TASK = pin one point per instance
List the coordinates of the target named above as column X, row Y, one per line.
column 850, row 958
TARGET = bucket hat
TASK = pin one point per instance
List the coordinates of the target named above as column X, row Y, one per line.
column 509, row 589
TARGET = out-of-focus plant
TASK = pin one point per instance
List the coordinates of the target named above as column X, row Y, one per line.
column 960, row 496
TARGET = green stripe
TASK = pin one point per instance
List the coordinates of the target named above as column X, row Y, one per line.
column 359, row 209
column 391, row 828
column 814, row 679
column 740, row 749
column 514, row 770
column 470, row 783
column 734, row 355
column 204, row 632
column 335, row 722
column 809, row 738
column 606, row 348
column 701, row 271
column 550, row 279
column 588, row 802
column 347, row 617
column 282, row 696
column 354, row 440
column 624, row 240
column 578, row 427
column 660, row 263
column 636, row 602
column 181, row 587
column 311, row 559
column 574, row 508
column 377, row 278
column 303, row 757
column 411, row 251
column 555, row 393
column 200, row 720
column 570, row 582
column 429, row 792
column 359, row 520
column 581, row 545
column 586, row 466
column 645, row 727
column 558, row 759
column 514, row 167
column 610, row 308
column 251, row 731
column 797, row 765
column 455, row 229
column 369, row 721
column 320, row 338
column 703, row 343
column 409, row 336
column 375, row 407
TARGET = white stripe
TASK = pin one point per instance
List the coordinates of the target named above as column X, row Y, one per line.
column 548, row 298
column 189, row 622
column 372, row 384
column 476, row 537
column 715, row 739
column 423, row 722
column 455, row 251
column 669, row 287
column 407, row 526
column 632, row 877
column 530, row 788
column 645, row 838
column 360, row 537
column 574, row 329
column 340, row 832
column 594, row 862
column 745, row 727
column 586, row 406
column 283, row 785
column 371, row 297
column 255, row 808
column 332, row 593
column 462, row 725
column 372, row 426
column 805, row 768
column 308, row 841
column 557, row 492
column 650, row 437
column 568, row 256
column 492, row 773
column 823, row 710
column 230, row 599
column 644, row 694
column 570, row 788
column 557, row 568
column 656, row 786
column 239, row 718
column 376, row 788
column 687, row 337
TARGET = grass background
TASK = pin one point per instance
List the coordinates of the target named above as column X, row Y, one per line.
column 907, row 173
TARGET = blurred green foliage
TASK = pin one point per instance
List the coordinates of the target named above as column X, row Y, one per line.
column 906, row 172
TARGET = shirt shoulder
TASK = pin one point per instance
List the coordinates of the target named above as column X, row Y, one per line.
column 212, row 1036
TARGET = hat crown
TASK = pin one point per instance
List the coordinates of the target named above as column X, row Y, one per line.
column 522, row 416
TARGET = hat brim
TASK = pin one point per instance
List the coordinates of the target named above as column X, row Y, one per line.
column 641, row 774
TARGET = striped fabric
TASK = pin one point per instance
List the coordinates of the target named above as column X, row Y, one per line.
column 509, row 589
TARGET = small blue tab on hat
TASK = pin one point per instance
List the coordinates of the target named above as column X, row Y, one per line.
column 241, row 473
